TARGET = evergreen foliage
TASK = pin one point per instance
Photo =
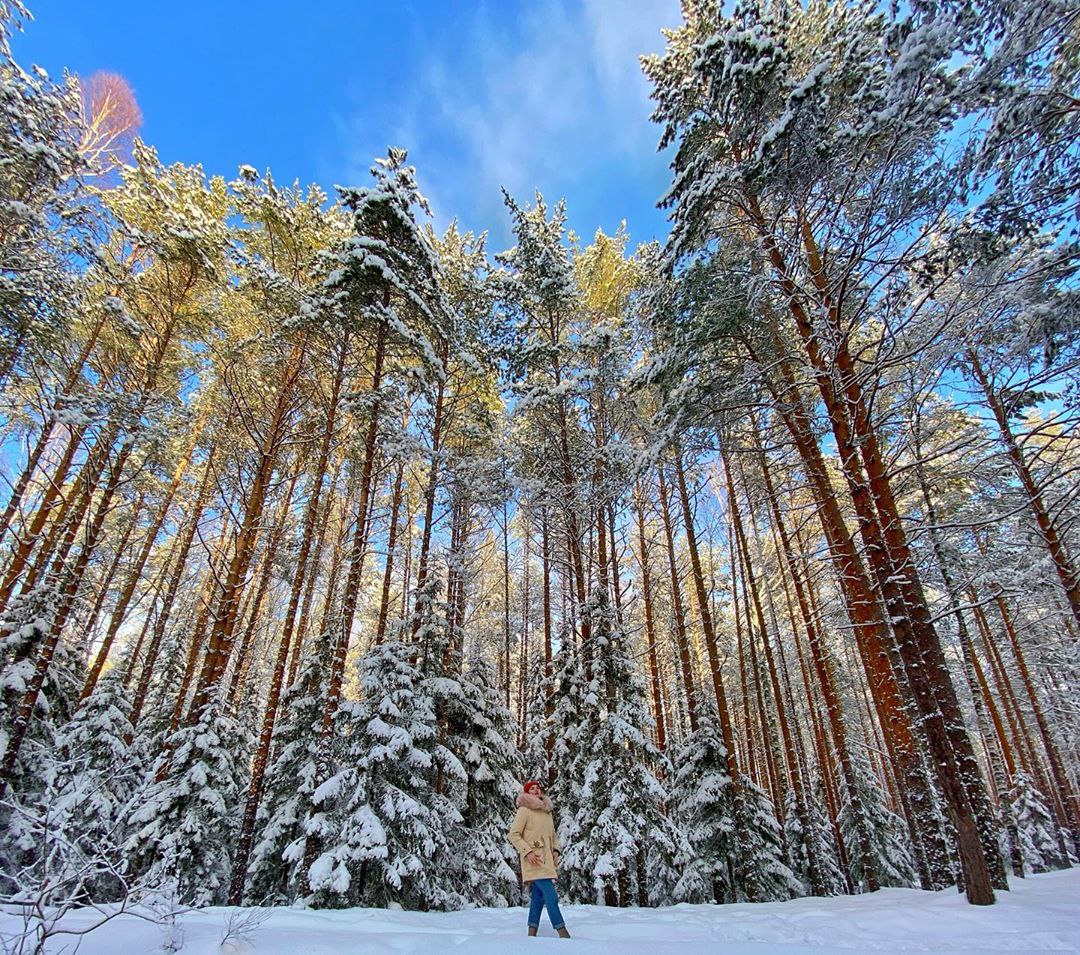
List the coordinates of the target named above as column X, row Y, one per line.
column 818, row 840
column 274, row 873
column 612, row 810
column 182, row 826
column 296, row 484
column 1041, row 842
column 893, row 864
column 385, row 827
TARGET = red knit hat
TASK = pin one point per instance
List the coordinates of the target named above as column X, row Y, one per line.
column 532, row 784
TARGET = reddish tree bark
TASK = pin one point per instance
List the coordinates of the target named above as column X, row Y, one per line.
column 824, row 668
column 650, row 623
column 123, row 601
column 224, row 618
column 682, row 642
column 705, row 616
column 794, row 769
column 164, row 615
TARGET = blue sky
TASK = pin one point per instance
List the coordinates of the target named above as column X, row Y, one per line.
column 544, row 95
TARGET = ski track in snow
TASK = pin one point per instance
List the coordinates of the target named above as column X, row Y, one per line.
column 1041, row 913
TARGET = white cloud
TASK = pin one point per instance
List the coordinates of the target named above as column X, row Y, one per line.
column 546, row 101
column 623, row 30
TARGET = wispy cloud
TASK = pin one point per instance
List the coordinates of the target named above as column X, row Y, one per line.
column 552, row 99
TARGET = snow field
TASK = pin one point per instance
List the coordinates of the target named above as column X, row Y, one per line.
column 1040, row 914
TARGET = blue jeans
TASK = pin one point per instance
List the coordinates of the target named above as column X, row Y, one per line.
column 543, row 893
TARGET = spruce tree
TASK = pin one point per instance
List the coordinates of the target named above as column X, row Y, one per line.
column 274, row 875
column 479, row 733
column 183, row 825
column 761, row 873
column 384, row 827
column 24, row 625
column 889, row 840
column 818, row 838
column 98, row 773
column 1037, row 832
column 703, row 800
column 617, row 820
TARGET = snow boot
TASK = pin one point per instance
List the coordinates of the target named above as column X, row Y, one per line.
column 562, row 932
column 532, row 931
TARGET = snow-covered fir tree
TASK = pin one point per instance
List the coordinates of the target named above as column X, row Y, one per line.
column 97, row 775
column 275, row 873
column 621, row 846
column 703, row 801
column 479, row 732
column 1040, row 839
column 24, row 628
column 819, row 841
column 385, row 828
column 738, row 844
column 760, row 871
column 889, row 841
column 183, row 824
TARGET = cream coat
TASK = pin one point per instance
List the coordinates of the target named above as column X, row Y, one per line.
column 534, row 831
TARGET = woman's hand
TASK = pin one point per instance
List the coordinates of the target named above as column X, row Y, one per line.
column 533, row 858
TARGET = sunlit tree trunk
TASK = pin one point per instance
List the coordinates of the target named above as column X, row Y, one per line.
column 224, row 617
column 262, row 750
column 391, row 548
column 131, row 584
column 87, row 624
column 545, row 570
column 214, row 570
column 682, row 641
column 794, row 769
column 270, row 554
column 825, row 668
column 176, row 578
column 872, row 637
column 505, row 527
column 1063, row 562
column 705, row 616
column 19, row 489
column 650, row 623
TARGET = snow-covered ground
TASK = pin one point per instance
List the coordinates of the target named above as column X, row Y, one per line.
column 1042, row 913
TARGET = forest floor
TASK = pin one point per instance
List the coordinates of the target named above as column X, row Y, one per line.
column 1041, row 913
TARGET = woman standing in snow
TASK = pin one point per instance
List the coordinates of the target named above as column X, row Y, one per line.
column 532, row 833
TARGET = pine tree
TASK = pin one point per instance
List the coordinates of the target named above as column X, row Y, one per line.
column 781, row 116
column 39, row 137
